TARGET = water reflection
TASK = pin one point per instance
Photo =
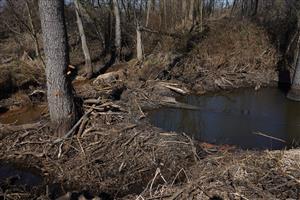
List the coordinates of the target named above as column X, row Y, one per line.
column 24, row 115
column 19, row 176
column 233, row 117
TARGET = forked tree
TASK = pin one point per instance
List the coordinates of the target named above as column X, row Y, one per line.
column 63, row 112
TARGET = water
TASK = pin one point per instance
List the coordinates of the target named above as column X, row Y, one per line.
column 15, row 175
column 24, row 115
column 233, row 118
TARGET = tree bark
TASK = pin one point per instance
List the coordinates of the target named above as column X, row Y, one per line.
column 139, row 44
column 294, row 93
column 84, row 46
column 191, row 11
column 165, row 14
column 149, row 6
column 255, row 8
column 61, row 102
column 117, row 29
column 201, row 14
column 184, row 9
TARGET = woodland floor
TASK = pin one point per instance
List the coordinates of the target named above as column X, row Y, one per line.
column 117, row 154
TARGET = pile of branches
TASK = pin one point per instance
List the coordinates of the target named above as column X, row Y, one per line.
column 107, row 151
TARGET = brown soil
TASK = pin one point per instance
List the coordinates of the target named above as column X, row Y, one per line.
column 117, row 154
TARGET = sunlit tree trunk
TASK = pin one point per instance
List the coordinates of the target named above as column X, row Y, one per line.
column 149, row 7
column 60, row 98
column 117, row 29
column 139, row 44
column 84, row 46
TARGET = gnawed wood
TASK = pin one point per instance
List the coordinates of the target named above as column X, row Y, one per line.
column 109, row 77
column 174, row 87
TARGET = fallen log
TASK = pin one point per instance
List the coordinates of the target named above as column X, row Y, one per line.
column 172, row 103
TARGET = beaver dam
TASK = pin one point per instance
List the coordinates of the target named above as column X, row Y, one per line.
column 183, row 105
column 263, row 119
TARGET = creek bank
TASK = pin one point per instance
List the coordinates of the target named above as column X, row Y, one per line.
column 117, row 152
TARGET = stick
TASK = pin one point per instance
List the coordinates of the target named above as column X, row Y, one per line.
column 268, row 136
column 73, row 128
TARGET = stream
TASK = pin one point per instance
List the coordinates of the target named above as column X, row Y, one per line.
column 249, row 119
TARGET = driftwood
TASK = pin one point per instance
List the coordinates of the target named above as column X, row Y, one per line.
column 270, row 137
column 174, row 87
column 109, row 77
column 171, row 102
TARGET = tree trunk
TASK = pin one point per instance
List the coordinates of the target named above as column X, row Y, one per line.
column 139, row 44
column 117, row 29
column 255, row 8
column 153, row 5
column 61, row 103
column 201, row 14
column 34, row 35
column 165, row 14
column 149, row 6
column 184, row 9
column 191, row 11
column 84, row 46
column 294, row 93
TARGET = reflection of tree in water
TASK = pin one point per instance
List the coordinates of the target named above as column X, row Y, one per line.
column 292, row 116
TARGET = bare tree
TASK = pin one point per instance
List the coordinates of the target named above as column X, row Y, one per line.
column 294, row 93
column 33, row 30
column 149, row 6
column 184, row 9
column 139, row 45
column 27, row 22
column 191, row 11
column 61, row 103
column 200, row 16
column 85, row 49
column 118, row 38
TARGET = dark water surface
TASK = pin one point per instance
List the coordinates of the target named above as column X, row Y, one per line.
column 233, row 118
column 12, row 174
column 25, row 115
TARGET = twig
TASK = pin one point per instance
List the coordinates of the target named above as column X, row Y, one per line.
column 159, row 197
column 131, row 139
column 157, row 172
column 268, row 136
column 82, row 126
column 196, row 157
